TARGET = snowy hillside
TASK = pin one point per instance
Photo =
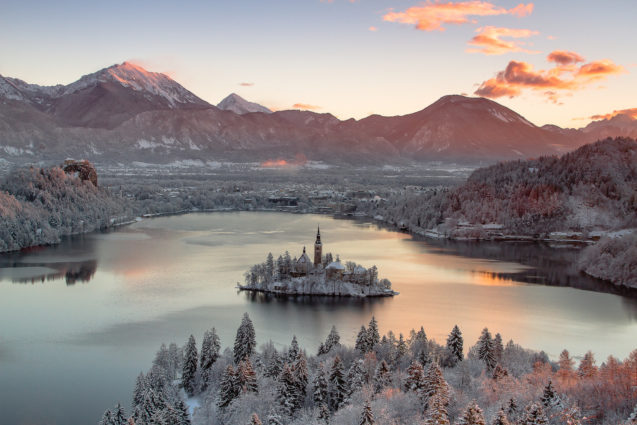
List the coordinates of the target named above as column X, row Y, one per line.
column 235, row 103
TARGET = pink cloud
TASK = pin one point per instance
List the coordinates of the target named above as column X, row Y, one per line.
column 432, row 16
column 490, row 40
column 305, row 106
column 563, row 79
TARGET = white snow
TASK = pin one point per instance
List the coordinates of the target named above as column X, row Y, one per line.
column 146, row 144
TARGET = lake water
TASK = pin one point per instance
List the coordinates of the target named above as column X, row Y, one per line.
column 81, row 319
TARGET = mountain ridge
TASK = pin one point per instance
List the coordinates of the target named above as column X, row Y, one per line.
column 125, row 112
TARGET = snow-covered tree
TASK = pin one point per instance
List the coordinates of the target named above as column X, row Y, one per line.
column 323, row 413
column 189, row 371
column 247, row 377
column 293, row 350
column 138, row 392
column 361, row 340
column 288, row 392
column 333, row 340
column 435, row 384
column 373, row 336
column 269, row 268
column 355, row 377
column 472, row 415
column 587, row 368
column 337, row 384
column 501, row 418
column 485, row 349
column 455, row 345
column 300, row 372
column 119, row 416
column 437, row 412
column 498, row 348
column 549, row 396
column 319, row 384
column 245, row 341
column 210, row 348
column 382, row 377
column 415, row 377
column 566, row 363
column 107, row 418
column 367, row 416
column 534, row 415
column 229, row 387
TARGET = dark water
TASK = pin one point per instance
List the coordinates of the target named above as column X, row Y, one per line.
column 80, row 320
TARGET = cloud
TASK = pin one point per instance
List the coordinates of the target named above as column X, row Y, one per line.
column 305, row 106
column 553, row 83
column 431, row 16
column 490, row 40
column 373, row 28
column 631, row 112
column 562, row 57
column 246, row 84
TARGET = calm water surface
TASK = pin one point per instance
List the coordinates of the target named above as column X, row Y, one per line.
column 80, row 320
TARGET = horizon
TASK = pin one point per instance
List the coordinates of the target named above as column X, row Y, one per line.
column 350, row 59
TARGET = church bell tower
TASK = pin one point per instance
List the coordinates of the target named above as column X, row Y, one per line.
column 318, row 249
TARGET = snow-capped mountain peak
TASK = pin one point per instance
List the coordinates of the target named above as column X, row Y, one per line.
column 235, row 103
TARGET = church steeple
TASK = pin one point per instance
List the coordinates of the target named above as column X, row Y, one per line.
column 318, row 248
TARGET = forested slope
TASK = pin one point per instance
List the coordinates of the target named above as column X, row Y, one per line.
column 38, row 206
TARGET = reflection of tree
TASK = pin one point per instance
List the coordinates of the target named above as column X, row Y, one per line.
column 313, row 300
column 72, row 271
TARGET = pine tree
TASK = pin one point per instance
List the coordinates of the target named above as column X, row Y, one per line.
column 415, row 377
column 321, row 350
column 512, row 410
column 587, row 368
column 337, row 385
column 274, row 366
column 435, row 384
column 501, row 418
column 189, row 371
column 472, row 415
column 228, row 387
column 437, row 412
column 455, row 345
column 382, row 377
column 293, row 350
column 401, row 346
column 373, row 337
column 423, row 357
column 355, row 377
column 269, row 268
column 210, row 348
column 534, row 415
column 485, row 349
column 107, row 418
column 288, row 392
column 367, row 416
column 566, row 366
column 119, row 416
column 254, row 420
column 361, row 340
column 182, row 411
column 333, row 340
column 320, row 386
column 498, row 348
column 548, row 398
column 152, row 403
column 247, row 377
column 138, row 392
column 299, row 370
column 324, row 413
column 245, row 341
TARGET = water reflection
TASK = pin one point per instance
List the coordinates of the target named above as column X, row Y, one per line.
column 313, row 300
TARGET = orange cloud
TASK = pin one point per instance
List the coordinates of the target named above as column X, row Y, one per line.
column 631, row 112
column 562, row 57
column 373, row 28
column 552, row 83
column 246, row 84
column 489, row 40
column 431, row 16
column 305, row 106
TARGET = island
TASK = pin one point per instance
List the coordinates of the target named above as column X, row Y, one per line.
column 324, row 276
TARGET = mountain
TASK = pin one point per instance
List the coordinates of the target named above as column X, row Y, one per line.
column 124, row 113
column 235, row 103
column 104, row 99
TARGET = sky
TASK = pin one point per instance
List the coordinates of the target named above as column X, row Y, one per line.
column 555, row 62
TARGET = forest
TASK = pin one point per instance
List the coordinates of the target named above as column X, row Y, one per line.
column 38, row 206
column 384, row 379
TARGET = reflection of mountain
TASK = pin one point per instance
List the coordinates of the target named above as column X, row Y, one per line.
column 73, row 272
column 550, row 266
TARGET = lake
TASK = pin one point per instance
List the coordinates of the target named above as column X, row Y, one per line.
column 81, row 319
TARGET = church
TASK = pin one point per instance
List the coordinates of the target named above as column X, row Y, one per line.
column 303, row 265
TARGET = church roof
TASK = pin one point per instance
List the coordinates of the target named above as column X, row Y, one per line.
column 336, row 265
column 360, row 269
